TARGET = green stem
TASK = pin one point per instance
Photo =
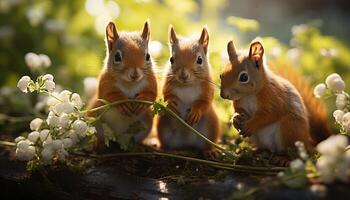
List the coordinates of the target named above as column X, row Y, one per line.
column 249, row 169
column 167, row 110
column 6, row 143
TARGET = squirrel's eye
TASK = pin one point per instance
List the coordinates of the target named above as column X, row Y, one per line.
column 243, row 77
column 118, row 57
column 148, row 57
column 199, row 60
column 172, row 60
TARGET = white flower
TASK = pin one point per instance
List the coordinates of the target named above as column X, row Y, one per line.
column 92, row 130
column 80, row 127
column 19, row 138
column 74, row 137
column 341, row 101
column 346, row 121
column 25, row 154
column 325, row 169
column 23, row 144
column 64, row 107
column 319, row 90
column 23, row 83
column 32, row 60
column 33, row 136
column 62, row 154
column 65, row 95
column 67, row 142
column 48, row 142
column 335, row 83
column 43, row 134
column 35, row 124
column 47, row 154
column 76, row 100
column 338, row 115
column 155, row 48
column 297, row 165
column 90, row 86
column 64, row 120
column 333, row 145
column 57, row 144
column 45, row 60
column 35, row 16
column 52, row 119
column 48, row 77
column 49, row 85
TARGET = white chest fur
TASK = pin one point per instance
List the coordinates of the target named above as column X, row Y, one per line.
column 187, row 95
column 131, row 89
column 249, row 104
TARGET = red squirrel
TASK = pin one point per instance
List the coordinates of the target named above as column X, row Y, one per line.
column 188, row 91
column 274, row 111
column 127, row 74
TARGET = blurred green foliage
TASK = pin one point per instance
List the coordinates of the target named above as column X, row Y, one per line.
column 66, row 32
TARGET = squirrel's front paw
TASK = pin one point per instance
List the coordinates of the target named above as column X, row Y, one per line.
column 193, row 116
column 246, row 131
column 238, row 120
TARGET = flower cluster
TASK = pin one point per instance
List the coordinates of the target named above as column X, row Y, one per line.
column 334, row 85
column 65, row 127
column 334, row 163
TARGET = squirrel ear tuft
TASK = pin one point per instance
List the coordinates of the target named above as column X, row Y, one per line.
column 231, row 50
column 146, row 31
column 172, row 35
column 111, row 35
column 204, row 39
column 256, row 50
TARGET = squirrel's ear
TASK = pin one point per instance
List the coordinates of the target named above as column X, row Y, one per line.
column 204, row 39
column 231, row 50
column 111, row 35
column 146, row 31
column 172, row 35
column 256, row 50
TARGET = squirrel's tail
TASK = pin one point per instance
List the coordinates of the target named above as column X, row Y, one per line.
column 318, row 116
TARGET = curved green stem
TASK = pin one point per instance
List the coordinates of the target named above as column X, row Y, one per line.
column 6, row 143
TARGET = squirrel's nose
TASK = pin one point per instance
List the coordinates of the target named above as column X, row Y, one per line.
column 134, row 75
column 184, row 76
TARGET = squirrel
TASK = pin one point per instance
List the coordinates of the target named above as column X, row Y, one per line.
column 188, row 91
column 273, row 110
column 127, row 74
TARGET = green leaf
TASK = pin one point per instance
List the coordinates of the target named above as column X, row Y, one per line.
column 159, row 106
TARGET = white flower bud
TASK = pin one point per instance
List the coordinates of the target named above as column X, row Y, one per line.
column 67, row 143
column 64, row 107
column 23, row 144
column 45, row 60
column 65, row 95
column 19, row 138
column 32, row 60
column 341, row 101
column 332, row 145
column 76, row 100
column 52, row 119
column 23, row 83
column 43, row 134
column 64, row 120
column 319, row 90
column 25, row 154
column 30, row 152
column 80, row 127
column 35, row 124
column 57, row 144
column 33, row 136
column 338, row 115
column 49, row 85
column 335, row 83
column 48, row 77
column 47, row 154
column 297, row 165
column 90, row 86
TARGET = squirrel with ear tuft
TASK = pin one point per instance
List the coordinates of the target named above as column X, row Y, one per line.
column 273, row 110
column 127, row 74
column 188, row 91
